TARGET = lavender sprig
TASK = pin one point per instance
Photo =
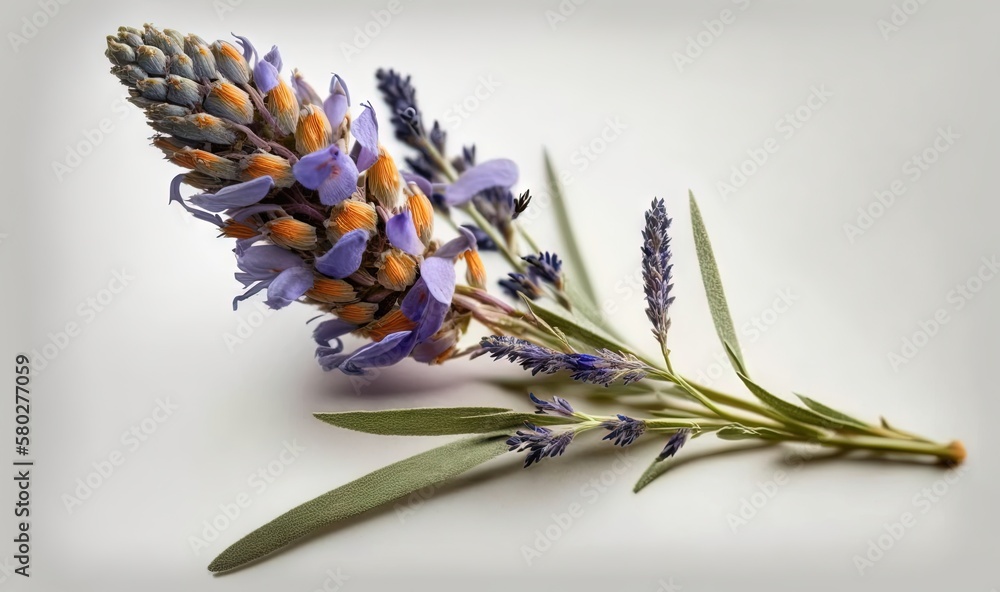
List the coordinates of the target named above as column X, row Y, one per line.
column 624, row 430
column 656, row 269
column 603, row 367
column 539, row 442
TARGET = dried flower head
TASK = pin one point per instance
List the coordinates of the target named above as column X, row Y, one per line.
column 318, row 208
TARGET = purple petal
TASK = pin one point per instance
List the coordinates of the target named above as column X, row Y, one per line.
column 241, row 214
column 393, row 348
column 288, row 287
column 431, row 319
column 235, row 196
column 415, row 301
column 403, row 234
column 345, row 256
column 314, row 168
column 427, row 351
column 337, row 103
column 257, row 288
column 331, row 329
column 273, row 57
column 492, row 173
column 266, row 260
column 342, row 182
column 265, row 76
column 330, row 171
column 439, row 275
column 175, row 196
column 458, row 245
column 248, row 49
column 365, row 132
column 422, row 183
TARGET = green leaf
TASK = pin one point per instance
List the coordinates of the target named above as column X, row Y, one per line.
column 713, row 287
column 788, row 409
column 831, row 413
column 656, row 468
column 574, row 257
column 373, row 490
column 437, row 421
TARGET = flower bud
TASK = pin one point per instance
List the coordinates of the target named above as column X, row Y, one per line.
column 396, row 270
column 201, row 56
column 392, row 322
column 290, row 233
column 130, row 36
column 183, row 91
column 151, row 59
column 358, row 313
column 129, row 74
column 198, row 127
column 349, row 215
column 230, row 62
column 158, row 111
column 165, row 43
column 423, row 214
column 281, row 102
column 119, row 53
column 238, row 230
column 475, row 271
column 260, row 164
column 313, row 131
column 182, row 65
column 199, row 160
column 384, row 180
column 332, row 291
column 154, row 89
column 227, row 100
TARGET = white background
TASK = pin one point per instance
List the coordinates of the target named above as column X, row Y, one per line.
column 556, row 84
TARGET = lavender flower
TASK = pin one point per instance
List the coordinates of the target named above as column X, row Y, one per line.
column 676, row 441
column 518, row 283
column 545, row 267
column 539, row 442
column 559, row 406
column 656, row 268
column 603, row 367
column 521, row 204
column 624, row 431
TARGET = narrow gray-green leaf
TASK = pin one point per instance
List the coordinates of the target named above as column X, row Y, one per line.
column 831, row 412
column 788, row 409
column 734, row 359
column 436, row 421
column 713, row 284
column 573, row 257
column 373, row 490
column 655, row 469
